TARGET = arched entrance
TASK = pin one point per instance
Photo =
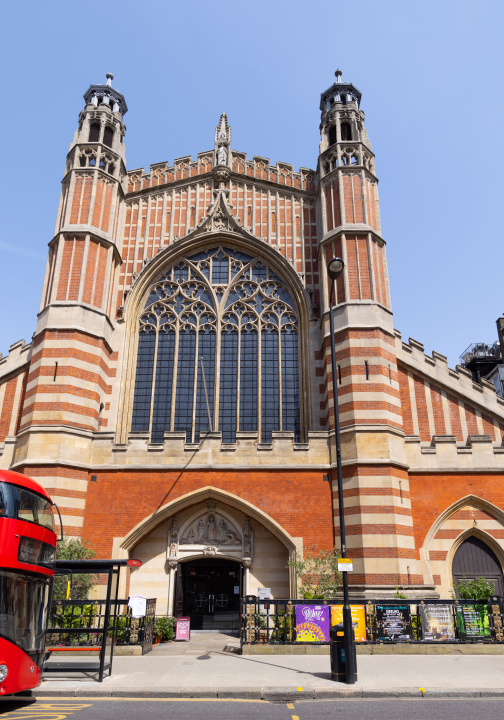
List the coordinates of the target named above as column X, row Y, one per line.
column 473, row 559
column 215, row 525
column 209, row 591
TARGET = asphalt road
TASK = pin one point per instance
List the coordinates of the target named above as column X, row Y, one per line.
column 133, row 709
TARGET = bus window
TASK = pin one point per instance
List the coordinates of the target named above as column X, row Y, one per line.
column 24, row 609
column 34, row 508
column 3, row 504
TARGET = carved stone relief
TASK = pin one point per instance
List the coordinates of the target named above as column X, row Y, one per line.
column 210, row 532
column 211, row 528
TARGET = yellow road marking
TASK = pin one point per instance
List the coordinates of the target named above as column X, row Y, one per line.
column 44, row 711
column 290, row 706
column 295, row 717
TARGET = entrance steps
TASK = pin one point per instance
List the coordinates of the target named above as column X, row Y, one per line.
column 201, row 644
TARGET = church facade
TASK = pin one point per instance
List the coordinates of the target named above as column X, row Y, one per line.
column 176, row 399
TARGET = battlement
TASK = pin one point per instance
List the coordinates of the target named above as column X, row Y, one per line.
column 458, row 380
column 19, row 354
column 185, row 168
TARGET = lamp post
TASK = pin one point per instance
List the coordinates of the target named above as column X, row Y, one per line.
column 334, row 270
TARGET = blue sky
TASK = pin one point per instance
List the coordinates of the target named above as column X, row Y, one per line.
column 431, row 78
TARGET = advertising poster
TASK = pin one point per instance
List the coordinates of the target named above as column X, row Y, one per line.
column 312, row 623
column 358, row 619
column 393, row 622
column 472, row 621
column 437, row 623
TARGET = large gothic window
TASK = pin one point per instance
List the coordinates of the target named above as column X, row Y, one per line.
column 218, row 350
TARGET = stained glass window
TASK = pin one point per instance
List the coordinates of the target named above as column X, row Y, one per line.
column 218, row 350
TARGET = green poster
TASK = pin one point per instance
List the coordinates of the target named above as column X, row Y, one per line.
column 472, row 622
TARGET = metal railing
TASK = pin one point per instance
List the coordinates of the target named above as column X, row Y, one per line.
column 481, row 351
column 280, row 622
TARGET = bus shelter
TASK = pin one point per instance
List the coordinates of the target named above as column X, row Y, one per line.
column 86, row 632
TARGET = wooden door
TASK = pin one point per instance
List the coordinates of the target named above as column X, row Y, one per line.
column 473, row 559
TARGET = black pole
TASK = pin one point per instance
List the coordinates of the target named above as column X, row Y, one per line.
column 347, row 613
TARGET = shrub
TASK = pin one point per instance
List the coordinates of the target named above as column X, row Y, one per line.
column 82, row 584
column 479, row 589
column 318, row 571
column 164, row 626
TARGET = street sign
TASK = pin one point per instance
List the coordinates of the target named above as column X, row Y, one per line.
column 345, row 565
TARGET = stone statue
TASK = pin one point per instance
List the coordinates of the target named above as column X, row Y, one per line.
column 222, row 155
column 231, row 538
column 201, row 530
column 212, row 529
column 222, row 531
column 173, row 549
column 191, row 536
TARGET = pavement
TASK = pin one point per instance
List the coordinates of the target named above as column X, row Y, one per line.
column 202, row 668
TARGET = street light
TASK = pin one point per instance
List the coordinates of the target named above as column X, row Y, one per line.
column 334, row 270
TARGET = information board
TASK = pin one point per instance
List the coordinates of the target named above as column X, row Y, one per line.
column 437, row 623
column 183, row 628
column 472, row 621
column 393, row 622
column 358, row 620
column 312, row 623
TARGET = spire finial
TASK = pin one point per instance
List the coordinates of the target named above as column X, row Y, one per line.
column 338, row 74
column 110, row 77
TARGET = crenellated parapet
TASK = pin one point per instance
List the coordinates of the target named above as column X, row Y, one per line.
column 185, row 168
column 449, row 420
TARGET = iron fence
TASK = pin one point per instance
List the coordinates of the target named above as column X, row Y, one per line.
column 285, row 622
column 80, row 624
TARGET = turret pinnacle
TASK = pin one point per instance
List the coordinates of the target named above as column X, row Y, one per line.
column 222, row 141
column 107, row 95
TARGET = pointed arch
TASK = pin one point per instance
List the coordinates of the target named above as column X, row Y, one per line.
column 481, row 535
column 478, row 502
column 150, row 522
column 168, row 257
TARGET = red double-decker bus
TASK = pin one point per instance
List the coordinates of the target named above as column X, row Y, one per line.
column 27, row 561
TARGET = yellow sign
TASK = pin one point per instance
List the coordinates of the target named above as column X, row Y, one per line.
column 345, row 564
column 358, row 619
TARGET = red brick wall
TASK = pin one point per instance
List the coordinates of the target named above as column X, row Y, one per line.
column 404, row 391
column 432, row 493
column 299, row 501
column 421, row 403
column 64, row 270
column 437, row 410
column 456, row 426
column 7, row 407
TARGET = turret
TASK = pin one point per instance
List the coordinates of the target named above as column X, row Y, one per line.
column 85, row 252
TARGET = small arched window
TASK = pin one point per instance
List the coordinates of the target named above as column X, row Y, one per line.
column 94, row 132
column 108, row 136
column 332, row 135
column 346, row 131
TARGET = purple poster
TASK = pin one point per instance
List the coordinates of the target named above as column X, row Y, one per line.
column 312, row 623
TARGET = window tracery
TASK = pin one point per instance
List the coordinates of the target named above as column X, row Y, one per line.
column 218, row 350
